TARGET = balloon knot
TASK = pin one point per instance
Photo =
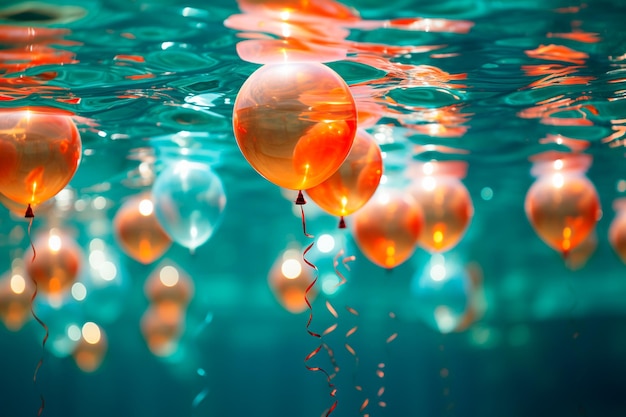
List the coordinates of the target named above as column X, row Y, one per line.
column 342, row 223
column 300, row 199
column 29, row 213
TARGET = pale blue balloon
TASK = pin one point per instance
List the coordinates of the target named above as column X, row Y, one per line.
column 189, row 202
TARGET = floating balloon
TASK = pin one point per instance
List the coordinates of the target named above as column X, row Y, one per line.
column 189, row 202
column 39, row 153
column 161, row 332
column 138, row 232
column 56, row 264
column 562, row 205
column 446, row 205
column 577, row 258
column 617, row 230
column 15, row 297
column 354, row 183
column 289, row 279
column 295, row 123
column 90, row 350
column 387, row 227
column 169, row 290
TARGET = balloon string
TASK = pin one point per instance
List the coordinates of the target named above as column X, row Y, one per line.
column 30, row 239
column 43, row 344
column 380, row 371
column 333, row 390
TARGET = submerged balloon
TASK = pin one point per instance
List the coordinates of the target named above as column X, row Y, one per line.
column 91, row 348
column 356, row 180
column 161, row 332
column 56, row 264
column 189, row 202
column 446, row 204
column 386, row 229
column 617, row 230
column 138, row 231
column 295, row 123
column 289, row 279
column 16, row 292
column 562, row 205
column 39, row 154
column 169, row 290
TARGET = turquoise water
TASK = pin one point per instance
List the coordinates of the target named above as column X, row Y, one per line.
column 490, row 83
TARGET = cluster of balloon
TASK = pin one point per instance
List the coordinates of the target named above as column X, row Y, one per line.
column 16, row 293
column 445, row 202
column 169, row 290
column 138, row 231
column 562, row 204
column 617, row 230
column 189, row 202
column 56, row 267
column 354, row 183
column 386, row 229
column 91, row 347
column 289, row 279
column 295, row 123
column 449, row 294
column 40, row 150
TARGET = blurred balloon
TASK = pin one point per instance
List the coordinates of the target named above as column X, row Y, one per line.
column 39, row 153
column 161, row 332
column 617, row 230
column 445, row 202
column 189, row 202
column 444, row 292
column 63, row 319
column 354, row 183
column 295, row 123
column 562, row 205
column 577, row 258
column 289, row 279
column 16, row 293
column 91, row 348
column 138, row 231
column 387, row 227
column 169, row 290
column 56, row 264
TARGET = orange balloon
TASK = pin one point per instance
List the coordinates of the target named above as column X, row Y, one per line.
column 90, row 350
column 356, row 180
column 617, row 230
column 387, row 228
column 57, row 262
column 577, row 258
column 138, row 232
column 289, row 278
column 169, row 289
column 447, row 208
column 563, row 208
column 295, row 123
column 16, row 293
column 161, row 333
column 39, row 154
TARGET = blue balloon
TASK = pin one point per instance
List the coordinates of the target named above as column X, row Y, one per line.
column 189, row 202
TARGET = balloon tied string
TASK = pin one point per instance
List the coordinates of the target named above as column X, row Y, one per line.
column 43, row 344
column 380, row 370
column 333, row 390
column 30, row 216
column 342, row 223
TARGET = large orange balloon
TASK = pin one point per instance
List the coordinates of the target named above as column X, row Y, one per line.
column 138, row 231
column 356, row 180
column 295, row 123
column 289, row 279
column 447, row 208
column 56, row 264
column 563, row 208
column 39, row 154
column 387, row 227
column 617, row 230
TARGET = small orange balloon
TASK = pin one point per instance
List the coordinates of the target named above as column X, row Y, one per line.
column 91, row 349
column 16, row 293
column 356, row 180
column 289, row 279
column 617, row 230
column 387, row 227
column 563, row 208
column 295, row 123
column 447, row 208
column 138, row 232
column 39, row 154
column 169, row 289
column 56, row 264
column 161, row 333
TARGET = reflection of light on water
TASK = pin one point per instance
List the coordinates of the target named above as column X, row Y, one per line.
column 486, row 193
